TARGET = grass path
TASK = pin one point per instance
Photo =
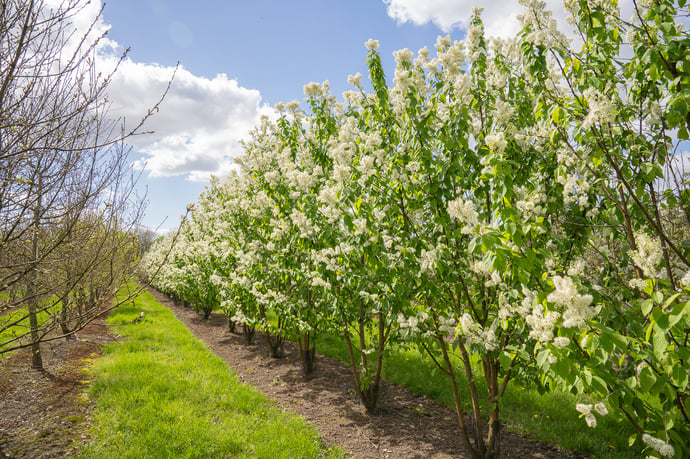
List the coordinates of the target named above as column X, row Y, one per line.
column 160, row 392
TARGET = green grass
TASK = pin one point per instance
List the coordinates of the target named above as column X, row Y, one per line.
column 161, row 393
column 550, row 417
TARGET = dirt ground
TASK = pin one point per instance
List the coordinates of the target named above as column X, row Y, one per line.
column 46, row 414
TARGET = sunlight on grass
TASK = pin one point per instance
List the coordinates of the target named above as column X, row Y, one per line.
column 161, row 393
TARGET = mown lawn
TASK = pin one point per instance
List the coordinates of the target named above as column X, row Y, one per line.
column 160, row 393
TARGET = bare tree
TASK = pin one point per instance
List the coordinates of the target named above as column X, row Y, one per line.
column 67, row 204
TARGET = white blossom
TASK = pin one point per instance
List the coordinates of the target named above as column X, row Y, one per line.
column 685, row 281
column 464, row 211
column 586, row 410
column 502, row 112
column 561, row 341
column 659, row 445
column 403, row 56
column 313, row 90
column 637, row 283
column 473, row 333
column 601, row 409
column 481, row 268
column 302, row 223
column 355, row 80
column 542, row 324
column 601, row 108
column 648, row 254
column 577, row 267
column 544, row 28
column 577, row 306
column 443, row 43
column 427, row 261
column 497, row 141
column 371, row 44
column 317, row 281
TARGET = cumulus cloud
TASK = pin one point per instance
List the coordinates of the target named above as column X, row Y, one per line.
column 199, row 124
column 500, row 18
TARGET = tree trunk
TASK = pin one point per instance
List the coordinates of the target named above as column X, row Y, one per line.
column 275, row 345
column 367, row 390
column 32, row 291
column 275, row 341
column 248, row 332
column 450, row 371
column 63, row 319
column 36, row 360
column 307, row 353
column 493, row 444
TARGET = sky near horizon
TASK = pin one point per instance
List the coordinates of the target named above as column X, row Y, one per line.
column 238, row 59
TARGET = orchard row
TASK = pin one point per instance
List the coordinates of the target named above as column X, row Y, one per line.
column 514, row 208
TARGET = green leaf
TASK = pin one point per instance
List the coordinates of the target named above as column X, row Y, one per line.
column 679, row 376
column 650, row 329
column 563, row 371
column 646, row 306
column 505, row 358
column 647, row 379
column 598, row 385
column 671, row 299
column 587, row 376
column 542, row 359
column 661, row 319
column 660, row 343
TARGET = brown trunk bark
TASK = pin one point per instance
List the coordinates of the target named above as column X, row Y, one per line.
column 36, row 360
column 307, row 352
column 491, row 368
column 63, row 319
column 474, row 396
column 450, row 371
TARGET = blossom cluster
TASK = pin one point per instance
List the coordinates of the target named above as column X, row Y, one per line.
column 588, row 411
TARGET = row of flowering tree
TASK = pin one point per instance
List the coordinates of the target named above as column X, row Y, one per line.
column 514, row 208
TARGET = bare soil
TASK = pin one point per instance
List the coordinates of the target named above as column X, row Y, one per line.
column 46, row 414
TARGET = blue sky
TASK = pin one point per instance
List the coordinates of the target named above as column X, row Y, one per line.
column 238, row 59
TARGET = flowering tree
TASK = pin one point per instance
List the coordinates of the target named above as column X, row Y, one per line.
column 470, row 176
column 616, row 124
column 364, row 262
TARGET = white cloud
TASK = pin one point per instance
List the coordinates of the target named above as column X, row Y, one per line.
column 199, row 125
column 499, row 17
